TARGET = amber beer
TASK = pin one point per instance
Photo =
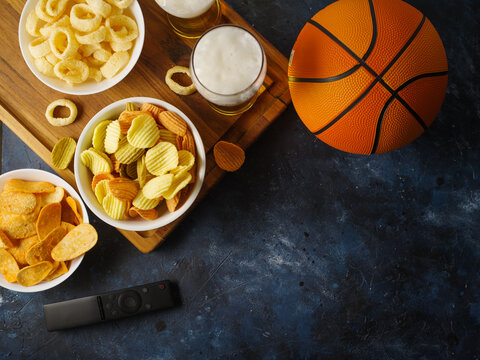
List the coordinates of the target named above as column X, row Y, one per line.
column 191, row 18
column 228, row 66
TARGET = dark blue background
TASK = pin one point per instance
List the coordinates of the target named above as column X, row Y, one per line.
column 306, row 252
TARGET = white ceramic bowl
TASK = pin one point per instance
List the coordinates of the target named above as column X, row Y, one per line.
column 40, row 175
column 90, row 86
column 83, row 176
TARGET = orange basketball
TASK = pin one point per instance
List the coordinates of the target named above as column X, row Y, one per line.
column 368, row 76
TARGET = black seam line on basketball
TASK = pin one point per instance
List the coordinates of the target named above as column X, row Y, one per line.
column 379, row 124
column 354, row 68
column 389, row 101
column 350, row 107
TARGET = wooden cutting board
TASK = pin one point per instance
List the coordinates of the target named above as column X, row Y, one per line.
column 23, row 98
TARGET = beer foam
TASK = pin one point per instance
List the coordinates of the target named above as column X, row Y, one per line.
column 227, row 60
column 185, row 8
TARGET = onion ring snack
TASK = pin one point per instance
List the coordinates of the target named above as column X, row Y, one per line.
column 61, row 121
column 176, row 87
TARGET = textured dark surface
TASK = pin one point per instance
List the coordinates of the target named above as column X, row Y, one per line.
column 306, row 252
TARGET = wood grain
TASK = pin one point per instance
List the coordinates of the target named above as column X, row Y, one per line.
column 23, row 98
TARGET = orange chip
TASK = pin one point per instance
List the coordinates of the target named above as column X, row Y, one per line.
column 28, row 186
column 99, row 177
column 19, row 252
column 41, row 251
column 33, row 274
column 75, row 243
column 228, row 156
column 5, row 241
column 73, row 203
column 188, row 143
column 123, row 189
column 60, row 270
column 49, row 218
column 173, row 122
column 17, row 202
column 126, row 117
column 116, row 164
column 151, row 214
column 173, row 202
column 16, row 226
column 153, row 110
column 53, row 197
column 8, row 266
column 67, row 226
column 67, row 213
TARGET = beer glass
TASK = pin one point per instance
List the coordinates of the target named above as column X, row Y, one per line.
column 228, row 66
column 191, row 18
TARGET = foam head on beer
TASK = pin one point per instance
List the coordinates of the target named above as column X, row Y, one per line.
column 228, row 60
column 185, row 9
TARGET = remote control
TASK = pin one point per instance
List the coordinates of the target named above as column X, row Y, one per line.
column 111, row 306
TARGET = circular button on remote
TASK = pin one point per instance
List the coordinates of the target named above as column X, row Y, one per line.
column 129, row 301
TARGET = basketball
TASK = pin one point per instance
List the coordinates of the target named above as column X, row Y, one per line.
column 368, row 76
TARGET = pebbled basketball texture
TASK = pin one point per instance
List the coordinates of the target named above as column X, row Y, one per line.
column 368, row 76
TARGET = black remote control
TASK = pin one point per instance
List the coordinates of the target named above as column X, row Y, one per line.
column 111, row 306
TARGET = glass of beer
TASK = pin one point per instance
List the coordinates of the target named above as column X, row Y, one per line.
column 191, row 18
column 228, row 66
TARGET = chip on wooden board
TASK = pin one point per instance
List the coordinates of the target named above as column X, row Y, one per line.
column 77, row 242
column 63, row 152
column 228, row 156
column 49, row 218
column 33, row 274
column 8, row 266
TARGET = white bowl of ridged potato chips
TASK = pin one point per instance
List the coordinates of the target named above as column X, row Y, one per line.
column 27, row 222
column 82, row 43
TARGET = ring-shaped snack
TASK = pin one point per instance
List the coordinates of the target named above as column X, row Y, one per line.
column 116, row 25
column 61, row 121
column 93, row 37
column 63, row 43
column 72, row 71
column 121, row 46
column 176, row 87
column 100, row 7
column 64, row 21
column 44, row 66
column 39, row 47
column 56, row 8
column 33, row 24
column 116, row 63
column 84, row 19
column 121, row 4
column 41, row 12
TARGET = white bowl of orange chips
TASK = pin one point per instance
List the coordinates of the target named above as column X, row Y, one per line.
column 29, row 225
column 86, row 50
column 139, row 193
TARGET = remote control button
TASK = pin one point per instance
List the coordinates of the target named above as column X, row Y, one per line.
column 161, row 286
column 130, row 301
column 144, row 290
column 148, row 306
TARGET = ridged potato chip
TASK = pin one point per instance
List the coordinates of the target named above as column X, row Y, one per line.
column 84, row 19
column 17, row 202
column 173, row 202
column 98, row 139
column 143, row 203
column 50, row 198
column 63, row 152
column 115, row 63
column 127, row 154
column 167, row 135
column 49, row 218
column 75, row 243
column 115, row 208
column 33, row 274
column 58, row 121
column 228, row 156
column 75, row 206
column 59, row 271
column 95, row 162
column 142, row 171
column 28, row 186
column 143, row 133
column 112, row 137
column 188, row 143
column 151, row 214
column 179, row 182
column 122, row 189
column 41, row 250
column 161, row 158
column 153, row 110
column 5, row 241
column 19, row 252
column 173, row 122
column 115, row 163
column 131, row 170
column 126, row 117
column 8, row 266
column 157, row 186
column 99, row 177
column 185, row 162
column 101, row 190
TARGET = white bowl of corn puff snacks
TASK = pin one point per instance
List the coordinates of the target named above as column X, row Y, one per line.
column 139, row 164
column 81, row 47
column 44, row 230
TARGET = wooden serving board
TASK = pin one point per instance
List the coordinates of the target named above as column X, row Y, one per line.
column 23, row 98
